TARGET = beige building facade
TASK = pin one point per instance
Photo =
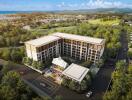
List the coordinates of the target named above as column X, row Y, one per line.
column 63, row 44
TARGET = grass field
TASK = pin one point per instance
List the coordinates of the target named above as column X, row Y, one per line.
column 48, row 31
column 101, row 22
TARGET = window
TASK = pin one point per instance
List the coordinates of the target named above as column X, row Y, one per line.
column 84, row 44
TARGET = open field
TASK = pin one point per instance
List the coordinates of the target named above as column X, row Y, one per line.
column 40, row 31
column 101, row 22
column 2, row 23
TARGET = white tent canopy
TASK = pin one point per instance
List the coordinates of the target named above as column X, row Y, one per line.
column 60, row 62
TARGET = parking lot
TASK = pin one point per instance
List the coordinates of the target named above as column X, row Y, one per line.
column 46, row 84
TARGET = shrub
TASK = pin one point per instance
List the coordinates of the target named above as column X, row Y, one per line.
column 24, row 60
column 72, row 85
column 29, row 61
column 65, row 82
column 35, row 64
column 83, row 85
column 79, row 87
column 40, row 65
column 86, row 64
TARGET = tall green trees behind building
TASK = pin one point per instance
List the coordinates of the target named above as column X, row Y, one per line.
column 110, row 33
column 122, row 83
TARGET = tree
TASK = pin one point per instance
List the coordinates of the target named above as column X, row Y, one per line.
column 35, row 64
column 8, row 42
column 24, row 60
column 21, row 87
column 122, row 86
column 24, row 97
column 100, row 63
column 130, row 69
column 7, row 93
column 2, row 42
column 11, row 82
column 129, row 54
column 6, row 67
column 15, row 55
column 109, row 96
column 65, row 81
column 29, row 61
column 88, row 79
column 6, row 54
column 129, row 95
column 86, row 64
column 38, row 98
column 72, row 85
column 22, row 51
column 83, row 85
column 40, row 65
column 11, row 79
column 58, row 97
column 120, row 65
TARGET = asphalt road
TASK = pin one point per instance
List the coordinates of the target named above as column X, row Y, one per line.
column 122, row 55
column 101, row 81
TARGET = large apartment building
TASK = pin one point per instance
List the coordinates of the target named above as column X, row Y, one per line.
column 63, row 44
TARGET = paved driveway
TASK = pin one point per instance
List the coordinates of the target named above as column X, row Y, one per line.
column 101, row 81
column 50, row 88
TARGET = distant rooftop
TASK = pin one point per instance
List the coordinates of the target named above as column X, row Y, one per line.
column 79, row 38
column 43, row 40
column 76, row 72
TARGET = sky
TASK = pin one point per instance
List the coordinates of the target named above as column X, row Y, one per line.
column 50, row 5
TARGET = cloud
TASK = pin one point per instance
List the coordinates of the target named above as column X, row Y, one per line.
column 62, row 4
column 107, row 4
column 45, row 6
column 92, row 4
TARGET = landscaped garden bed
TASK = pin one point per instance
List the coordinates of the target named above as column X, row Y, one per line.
column 35, row 65
column 78, row 87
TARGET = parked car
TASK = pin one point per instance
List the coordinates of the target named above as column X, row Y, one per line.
column 42, row 84
column 21, row 72
column 88, row 95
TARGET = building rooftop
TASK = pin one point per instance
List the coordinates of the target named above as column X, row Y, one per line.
column 50, row 38
column 60, row 62
column 43, row 40
column 75, row 72
column 79, row 38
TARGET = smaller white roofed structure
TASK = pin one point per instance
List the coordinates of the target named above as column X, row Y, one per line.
column 76, row 72
column 60, row 62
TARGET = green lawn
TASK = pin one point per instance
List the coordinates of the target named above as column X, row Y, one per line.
column 3, row 23
column 101, row 22
column 48, row 31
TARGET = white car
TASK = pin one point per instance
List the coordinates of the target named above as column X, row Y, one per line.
column 42, row 84
column 89, row 94
column 21, row 72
